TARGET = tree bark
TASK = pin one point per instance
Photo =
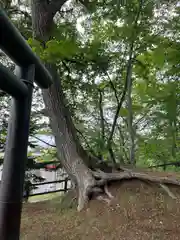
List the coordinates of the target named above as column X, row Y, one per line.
column 129, row 87
column 130, row 117
column 68, row 147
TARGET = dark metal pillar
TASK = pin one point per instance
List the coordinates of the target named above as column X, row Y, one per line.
column 11, row 188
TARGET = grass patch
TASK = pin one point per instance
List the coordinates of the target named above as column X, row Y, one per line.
column 44, row 197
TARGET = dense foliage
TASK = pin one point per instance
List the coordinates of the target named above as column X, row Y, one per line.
column 120, row 72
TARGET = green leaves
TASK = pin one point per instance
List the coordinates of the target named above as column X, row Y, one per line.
column 123, row 112
column 59, row 50
column 103, row 85
column 136, row 109
column 36, row 46
column 83, row 61
column 55, row 50
column 159, row 57
column 47, row 155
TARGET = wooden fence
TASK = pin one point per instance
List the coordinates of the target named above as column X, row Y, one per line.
column 29, row 194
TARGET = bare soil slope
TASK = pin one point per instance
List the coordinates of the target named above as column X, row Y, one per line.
column 139, row 211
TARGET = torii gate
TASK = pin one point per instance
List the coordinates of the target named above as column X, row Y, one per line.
column 20, row 86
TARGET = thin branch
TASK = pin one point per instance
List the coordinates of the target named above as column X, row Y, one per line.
column 19, row 11
column 39, row 139
column 103, row 120
column 113, row 87
column 123, row 95
column 69, row 79
column 176, row 164
column 145, row 115
column 111, row 152
column 66, row 11
column 128, row 76
column 107, row 125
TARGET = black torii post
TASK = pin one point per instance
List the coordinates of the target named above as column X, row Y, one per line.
column 11, row 191
column 20, row 87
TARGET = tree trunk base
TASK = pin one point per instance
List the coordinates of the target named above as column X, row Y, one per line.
column 100, row 190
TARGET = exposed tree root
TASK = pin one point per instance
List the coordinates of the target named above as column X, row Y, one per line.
column 107, row 177
column 82, row 200
column 100, row 190
column 108, row 193
column 168, row 191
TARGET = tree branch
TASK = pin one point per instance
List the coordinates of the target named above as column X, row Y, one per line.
column 122, row 97
column 176, row 164
column 39, row 139
column 113, row 87
column 128, row 76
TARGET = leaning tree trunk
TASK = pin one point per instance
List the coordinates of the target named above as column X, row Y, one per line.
column 60, row 119
column 70, row 151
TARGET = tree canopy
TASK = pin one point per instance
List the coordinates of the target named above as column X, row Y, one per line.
column 119, row 71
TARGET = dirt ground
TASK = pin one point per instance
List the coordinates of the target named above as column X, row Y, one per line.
column 139, row 211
